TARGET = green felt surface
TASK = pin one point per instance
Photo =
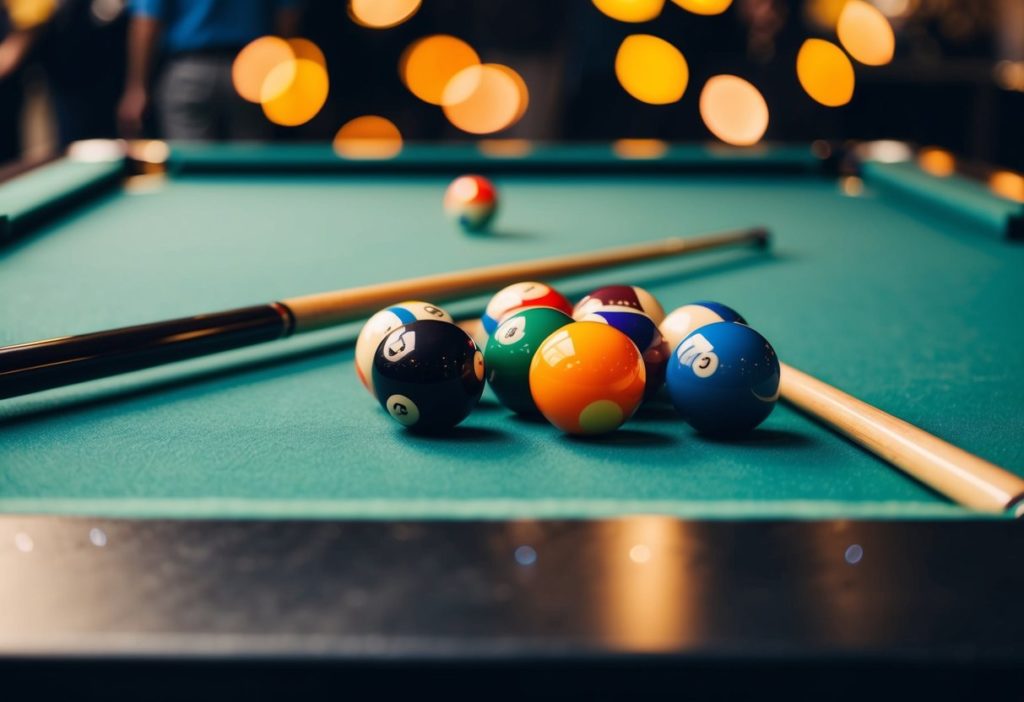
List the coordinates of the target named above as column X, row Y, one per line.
column 916, row 315
column 952, row 196
column 40, row 188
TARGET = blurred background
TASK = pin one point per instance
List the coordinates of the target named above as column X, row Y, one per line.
column 940, row 73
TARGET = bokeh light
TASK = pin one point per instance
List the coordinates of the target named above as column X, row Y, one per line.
column 149, row 151
column 823, row 14
column 639, row 149
column 482, row 99
column 381, row 14
column 1007, row 184
column 428, row 64
column 651, row 70
column 884, row 151
column 937, row 162
column 368, row 137
column 704, row 7
column 305, row 49
column 524, row 92
column 505, row 148
column 256, row 61
column 28, row 14
column 294, row 92
column 825, row 72
column 630, row 10
column 733, row 110
column 866, row 34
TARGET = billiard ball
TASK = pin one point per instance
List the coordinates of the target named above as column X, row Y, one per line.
column 381, row 324
column 510, row 350
column 519, row 295
column 472, row 201
column 683, row 320
column 620, row 296
column 724, row 378
column 428, row 375
column 587, row 378
column 643, row 332
column 727, row 313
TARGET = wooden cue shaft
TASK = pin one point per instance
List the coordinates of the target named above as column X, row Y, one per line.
column 50, row 363
column 321, row 310
column 957, row 474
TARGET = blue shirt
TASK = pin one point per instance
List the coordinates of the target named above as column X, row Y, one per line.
column 211, row 24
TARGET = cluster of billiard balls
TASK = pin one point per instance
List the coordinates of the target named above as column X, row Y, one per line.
column 586, row 368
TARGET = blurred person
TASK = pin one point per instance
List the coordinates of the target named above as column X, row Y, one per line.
column 82, row 53
column 19, row 31
column 195, row 98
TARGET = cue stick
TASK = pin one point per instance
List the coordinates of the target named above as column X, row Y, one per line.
column 50, row 363
column 947, row 469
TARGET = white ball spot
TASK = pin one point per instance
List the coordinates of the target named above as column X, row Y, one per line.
column 403, row 410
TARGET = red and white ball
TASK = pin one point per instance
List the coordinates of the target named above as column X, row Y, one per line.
column 519, row 295
column 472, row 201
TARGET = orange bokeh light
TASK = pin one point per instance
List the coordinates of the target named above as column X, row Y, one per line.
column 1007, row 184
column 639, row 149
column 370, row 137
column 865, row 33
column 937, row 162
column 305, row 49
column 382, row 14
column 294, row 92
column 825, row 73
column 651, row 69
column 428, row 64
column 704, row 7
column 734, row 110
column 483, row 99
column 505, row 148
column 630, row 10
column 256, row 61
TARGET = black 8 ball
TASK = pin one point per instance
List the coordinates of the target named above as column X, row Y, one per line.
column 428, row 375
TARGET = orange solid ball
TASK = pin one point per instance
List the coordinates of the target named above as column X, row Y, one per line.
column 587, row 378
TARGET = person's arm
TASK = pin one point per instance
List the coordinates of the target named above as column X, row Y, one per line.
column 14, row 49
column 143, row 36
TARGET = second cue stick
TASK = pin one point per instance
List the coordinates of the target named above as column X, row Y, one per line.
column 961, row 476
column 41, row 365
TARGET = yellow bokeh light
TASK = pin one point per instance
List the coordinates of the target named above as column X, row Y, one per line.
column 28, row 14
column 734, row 110
column 305, row 49
column 937, row 162
column 866, row 34
column 290, row 103
column 639, row 149
column 704, row 7
column 482, row 99
column 1007, row 184
column 825, row 72
column 381, row 14
column 630, row 10
column 651, row 70
column 823, row 13
column 256, row 61
column 428, row 65
column 369, row 136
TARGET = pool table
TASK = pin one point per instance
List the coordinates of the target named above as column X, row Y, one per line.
column 258, row 505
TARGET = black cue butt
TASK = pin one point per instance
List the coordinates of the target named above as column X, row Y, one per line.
column 41, row 365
